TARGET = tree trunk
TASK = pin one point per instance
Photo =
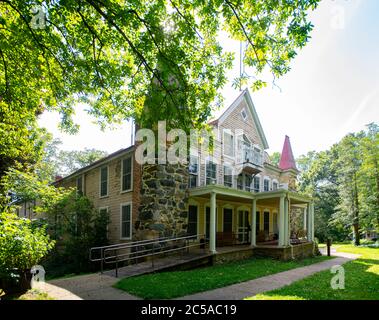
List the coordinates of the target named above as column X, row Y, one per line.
column 356, row 213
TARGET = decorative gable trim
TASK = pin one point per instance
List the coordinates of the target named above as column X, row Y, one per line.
column 246, row 95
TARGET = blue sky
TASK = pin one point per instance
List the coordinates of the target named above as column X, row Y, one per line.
column 332, row 88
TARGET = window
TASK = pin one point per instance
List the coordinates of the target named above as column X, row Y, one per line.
column 248, row 181
column 127, row 174
column 79, row 185
column 192, row 220
column 274, row 186
column 228, row 176
column 104, row 181
column 256, row 184
column 266, row 185
column 240, row 181
column 275, row 222
column 193, row 171
column 211, row 172
column 228, row 144
column 244, row 114
column 228, row 220
column 126, row 221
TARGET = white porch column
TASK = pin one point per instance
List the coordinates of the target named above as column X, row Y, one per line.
column 305, row 218
column 313, row 221
column 286, row 223
column 253, row 223
column 309, row 222
column 212, row 224
column 281, row 221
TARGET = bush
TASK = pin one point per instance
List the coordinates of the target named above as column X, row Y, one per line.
column 22, row 245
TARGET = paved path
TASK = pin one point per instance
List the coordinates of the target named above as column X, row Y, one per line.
column 250, row 288
column 99, row 286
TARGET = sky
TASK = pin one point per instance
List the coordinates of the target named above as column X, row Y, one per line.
column 332, row 88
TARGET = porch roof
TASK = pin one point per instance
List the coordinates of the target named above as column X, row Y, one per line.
column 227, row 193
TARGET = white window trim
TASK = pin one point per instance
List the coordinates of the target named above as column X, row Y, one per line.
column 269, row 183
column 228, row 131
column 131, row 220
column 210, row 159
column 131, row 173
column 223, row 174
column 272, row 183
column 198, row 169
column 104, row 196
column 260, row 179
column 244, row 111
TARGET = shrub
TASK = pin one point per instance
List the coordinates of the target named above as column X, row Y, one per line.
column 22, row 245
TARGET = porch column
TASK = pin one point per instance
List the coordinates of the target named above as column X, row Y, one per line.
column 212, row 224
column 253, row 223
column 286, row 223
column 281, row 221
column 313, row 221
column 310, row 222
column 305, row 218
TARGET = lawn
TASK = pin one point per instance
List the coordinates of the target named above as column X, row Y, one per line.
column 361, row 281
column 167, row 285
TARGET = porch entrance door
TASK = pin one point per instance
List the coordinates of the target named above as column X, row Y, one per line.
column 243, row 226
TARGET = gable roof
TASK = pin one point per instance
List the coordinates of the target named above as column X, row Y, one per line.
column 244, row 95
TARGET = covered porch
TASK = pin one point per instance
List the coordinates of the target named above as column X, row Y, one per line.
column 231, row 217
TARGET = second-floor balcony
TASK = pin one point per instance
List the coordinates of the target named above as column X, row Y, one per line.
column 249, row 159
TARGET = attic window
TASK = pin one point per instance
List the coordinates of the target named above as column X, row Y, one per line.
column 244, row 114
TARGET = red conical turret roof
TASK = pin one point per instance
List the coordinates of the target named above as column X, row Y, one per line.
column 287, row 161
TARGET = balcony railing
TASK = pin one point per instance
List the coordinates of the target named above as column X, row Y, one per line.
column 250, row 155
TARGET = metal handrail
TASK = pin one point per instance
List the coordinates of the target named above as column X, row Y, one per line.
column 117, row 257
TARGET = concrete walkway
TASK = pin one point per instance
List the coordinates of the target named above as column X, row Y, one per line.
column 250, row 288
column 99, row 286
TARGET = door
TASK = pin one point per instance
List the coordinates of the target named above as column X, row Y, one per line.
column 243, row 226
column 228, row 220
column 192, row 220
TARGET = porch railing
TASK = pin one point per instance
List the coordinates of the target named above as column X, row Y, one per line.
column 126, row 252
column 250, row 155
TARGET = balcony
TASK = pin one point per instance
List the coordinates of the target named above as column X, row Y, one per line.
column 250, row 160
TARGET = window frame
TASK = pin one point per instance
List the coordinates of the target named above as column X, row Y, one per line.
column 100, row 181
column 131, row 174
column 231, row 175
column 243, row 111
column 259, row 184
column 194, row 174
column 81, row 191
column 209, row 161
column 131, row 220
column 268, row 185
column 230, row 133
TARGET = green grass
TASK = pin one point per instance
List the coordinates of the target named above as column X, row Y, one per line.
column 361, row 281
column 167, row 285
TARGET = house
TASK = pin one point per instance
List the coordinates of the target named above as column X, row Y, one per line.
column 234, row 191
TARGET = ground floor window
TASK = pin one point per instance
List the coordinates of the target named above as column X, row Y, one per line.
column 266, row 222
column 258, row 221
column 126, row 221
column 192, row 220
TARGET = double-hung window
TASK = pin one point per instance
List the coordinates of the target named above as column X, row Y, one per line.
column 228, row 144
column 193, row 171
column 266, row 185
column 211, row 171
column 256, row 184
column 126, row 221
column 228, row 176
column 104, row 181
column 274, row 186
column 126, row 174
column 240, row 181
column 79, row 185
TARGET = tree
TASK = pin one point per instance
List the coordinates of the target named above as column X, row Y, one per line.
column 275, row 158
column 106, row 53
column 22, row 246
